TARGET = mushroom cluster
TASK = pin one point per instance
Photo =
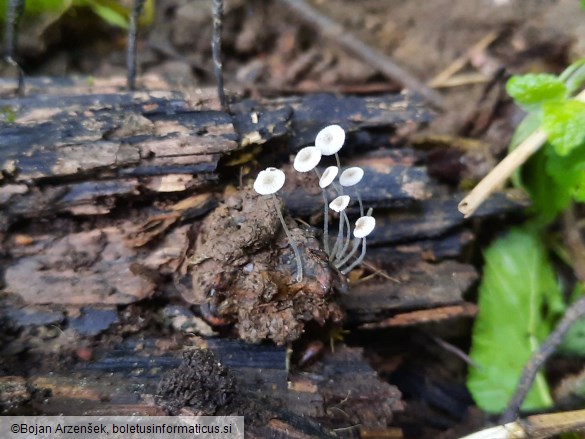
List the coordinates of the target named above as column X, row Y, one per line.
column 327, row 143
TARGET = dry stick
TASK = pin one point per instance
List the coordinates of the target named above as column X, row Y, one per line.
column 459, row 63
column 536, row 427
column 216, row 52
column 573, row 313
column 504, row 169
column 334, row 32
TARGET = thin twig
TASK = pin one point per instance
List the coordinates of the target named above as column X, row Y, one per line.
column 505, row 169
column 337, row 34
column 13, row 16
column 459, row 63
column 216, row 52
column 131, row 55
column 572, row 314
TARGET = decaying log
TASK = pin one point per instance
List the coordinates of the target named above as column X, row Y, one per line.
column 103, row 194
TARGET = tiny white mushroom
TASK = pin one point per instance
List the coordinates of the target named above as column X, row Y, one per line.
column 330, row 139
column 269, row 181
column 351, row 176
column 364, row 226
column 340, row 203
column 307, row 158
column 328, row 176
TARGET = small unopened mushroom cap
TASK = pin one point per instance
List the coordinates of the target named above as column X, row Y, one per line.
column 328, row 176
column 340, row 203
column 269, row 181
column 330, row 139
column 307, row 158
column 351, row 176
column 364, row 226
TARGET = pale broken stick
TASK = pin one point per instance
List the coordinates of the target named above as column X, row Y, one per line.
column 535, row 427
column 505, row 169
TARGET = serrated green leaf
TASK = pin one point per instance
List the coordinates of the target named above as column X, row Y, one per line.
column 518, row 281
column 564, row 124
column 533, row 89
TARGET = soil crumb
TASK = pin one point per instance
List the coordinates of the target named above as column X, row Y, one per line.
column 244, row 272
column 201, row 382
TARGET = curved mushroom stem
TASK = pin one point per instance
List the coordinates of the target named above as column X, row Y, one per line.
column 291, row 241
column 358, row 260
column 341, row 262
column 343, row 249
column 339, row 240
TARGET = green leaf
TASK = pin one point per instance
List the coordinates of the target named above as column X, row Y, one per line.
column 568, row 172
column 564, row 124
column 549, row 196
column 108, row 14
column 531, row 90
column 574, row 76
column 518, row 282
column 574, row 341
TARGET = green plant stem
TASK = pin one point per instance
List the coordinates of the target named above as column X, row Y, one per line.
column 291, row 241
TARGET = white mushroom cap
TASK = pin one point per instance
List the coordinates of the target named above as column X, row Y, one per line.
column 330, row 139
column 328, row 176
column 364, row 226
column 351, row 176
column 307, row 158
column 340, row 203
column 269, row 181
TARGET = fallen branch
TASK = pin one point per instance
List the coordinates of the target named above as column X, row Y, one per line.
column 334, row 32
column 505, row 169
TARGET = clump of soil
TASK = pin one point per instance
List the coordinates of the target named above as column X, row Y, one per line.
column 244, row 272
column 200, row 382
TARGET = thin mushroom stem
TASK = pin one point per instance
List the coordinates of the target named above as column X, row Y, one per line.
column 359, row 198
column 343, row 249
column 356, row 244
column 325, row 216
column 358, row 260
column 339, row 239
column 325, row 222
column 291, row 241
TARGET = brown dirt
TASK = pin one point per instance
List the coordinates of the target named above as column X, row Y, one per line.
column 244, row 272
